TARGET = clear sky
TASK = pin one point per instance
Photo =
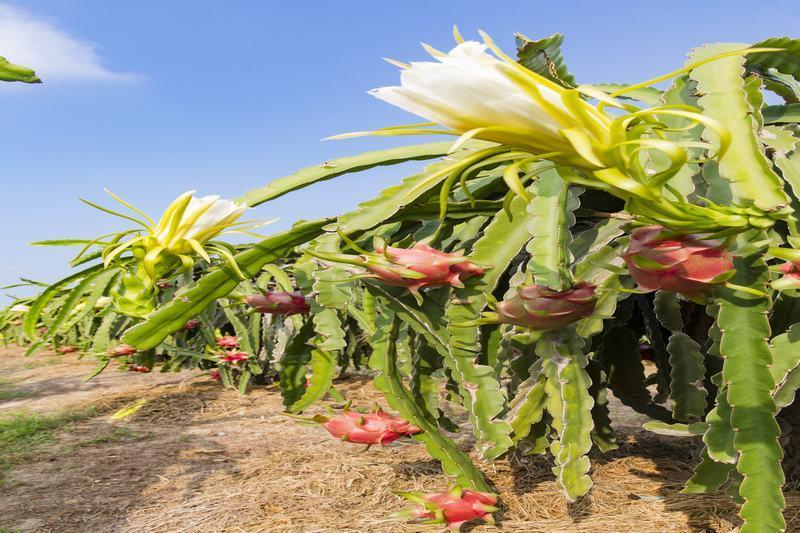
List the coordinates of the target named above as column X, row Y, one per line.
column 152, row 98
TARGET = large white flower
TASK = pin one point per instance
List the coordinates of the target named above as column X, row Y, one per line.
column 478, row 95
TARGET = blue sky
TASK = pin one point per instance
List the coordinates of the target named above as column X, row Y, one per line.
column 153, row 98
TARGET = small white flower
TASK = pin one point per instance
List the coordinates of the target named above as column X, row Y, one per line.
column 189, row 218
column 19, row 308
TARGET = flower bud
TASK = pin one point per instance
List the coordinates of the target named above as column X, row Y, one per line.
column 686, row 264
column 191, row 325
column 541, row 308
column 279, row 303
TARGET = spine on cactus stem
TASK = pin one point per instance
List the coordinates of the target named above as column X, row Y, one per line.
column 570, row 405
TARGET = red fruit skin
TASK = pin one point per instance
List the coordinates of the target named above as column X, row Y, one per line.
column 163, row 284
column 279, row 303
column 541, row 308
column 370, row 428
column 228, row 341
column 138, row 368
column 215, row 375
column 471, row 505
column 191, row 325
column 439, row 268
column 67, row 349
column 234, row 357
column 685, row 264
column 121, row 350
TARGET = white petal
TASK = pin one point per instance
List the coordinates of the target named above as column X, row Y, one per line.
column 466, row 89
column 221, row 213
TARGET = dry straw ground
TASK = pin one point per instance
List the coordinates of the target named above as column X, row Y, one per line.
column 197, row 458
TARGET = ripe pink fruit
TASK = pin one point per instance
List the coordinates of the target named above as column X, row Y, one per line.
column 377, row 427
column 279, row 303
column 67, row 349
column 215, row 375
column 454, row 507
column 234, row 357
column 420, row 266
column 121, row 350
column 191, row 325
column 686, row 264
column 541, row 308
column 228, row 341
column 139, row 368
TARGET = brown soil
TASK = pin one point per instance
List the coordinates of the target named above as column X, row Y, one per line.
column 195, row 457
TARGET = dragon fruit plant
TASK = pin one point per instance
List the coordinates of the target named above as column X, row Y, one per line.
column 561, row 228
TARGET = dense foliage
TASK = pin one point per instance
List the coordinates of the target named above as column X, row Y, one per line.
column 571, row 231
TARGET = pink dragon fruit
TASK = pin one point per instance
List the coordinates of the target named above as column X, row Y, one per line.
column 121, row 350
column 279, row 303
column 453, row 508
column 377, row 427
column 686, row 264
column 791, row 276
column 191, row 325
column 215, row 375
column 234, row 357
column 228, row 342
column 139, row 368
column 67, row 349
column 420, row 266
column 541, row 308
